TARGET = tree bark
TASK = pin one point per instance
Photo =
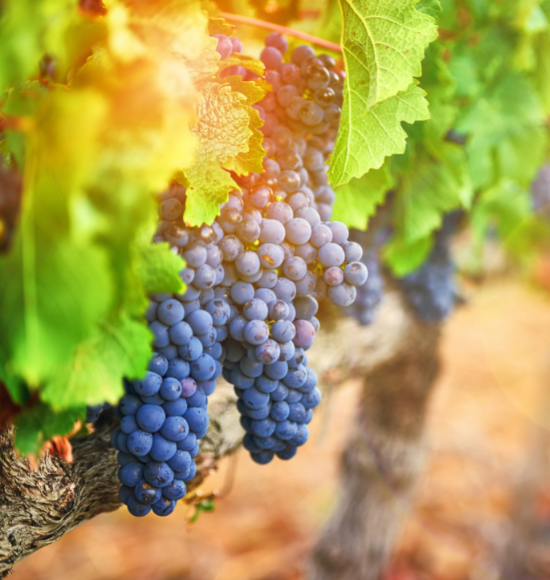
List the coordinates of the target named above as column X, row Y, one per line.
column 39, row 506
column 384, row 455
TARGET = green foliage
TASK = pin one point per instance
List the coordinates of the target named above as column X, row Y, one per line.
column 39, row 423
column 357, row 200
column 93, row 152
column 206, row 505
column 383, row 44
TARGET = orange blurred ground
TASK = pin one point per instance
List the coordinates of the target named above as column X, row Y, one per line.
column 496, row 353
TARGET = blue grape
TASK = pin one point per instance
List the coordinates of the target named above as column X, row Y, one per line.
column 175, row 408
column 197, row 419
column 170, row 389
column 192, row 350
column 175, row 490
column 136, row 508
column 162, row 449
column 263, row 457
column 158, row 364
column 255, row 399
column 256, row 332
column 197, row 399
column 124, row 493
column 170, row 312
column 200, row 321
column 181, row 333
column 130, row 474
column 174, row 429
column 150, row 385
column 178, row 369
column 158, row 474
column 280, row 411
column 146, row 493
column 160, row 334
column 140, row 443
column 128, row 424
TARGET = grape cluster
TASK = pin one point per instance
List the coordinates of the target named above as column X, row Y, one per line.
column 280, row 254
column 540, row 189
column 11, row 186
column 431, row 290
column 252, row 282
column 165, row 413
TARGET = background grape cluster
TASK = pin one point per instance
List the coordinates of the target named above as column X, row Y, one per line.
column 431, row 289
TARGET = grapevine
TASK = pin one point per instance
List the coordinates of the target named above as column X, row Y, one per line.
column 183, row 187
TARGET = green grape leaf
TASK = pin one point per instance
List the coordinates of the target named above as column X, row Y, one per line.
column 505, row 132
column 158, row 269
column 50, row 303
column 117, row 349
column 403, row 257
column 432, row 188
column 505, row 205
column 366, row 139
column 209, row 187
column 222, row 128
column 40, row 423
column 431, row 7
column 357, row 200
column 383, row 44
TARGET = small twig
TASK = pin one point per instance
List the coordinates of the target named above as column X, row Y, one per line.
column 282, row 29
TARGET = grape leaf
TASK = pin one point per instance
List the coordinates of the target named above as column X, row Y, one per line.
column 249, row 161
column 40, row 423
column 228, row 135
column 118, row 349
column 210, row 186
column 435, row 186
column 404, row 257
column 383, row 45
column 357, row 200
column 505, row 130
column 158, row 268
column 364, row 140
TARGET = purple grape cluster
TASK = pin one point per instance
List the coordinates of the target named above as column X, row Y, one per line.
column 431, row 289
column 165, row 413
column 252, row 282
column 280, row 254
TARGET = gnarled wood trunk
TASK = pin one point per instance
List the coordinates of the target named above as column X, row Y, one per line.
column 37, row 507
column 385, row 451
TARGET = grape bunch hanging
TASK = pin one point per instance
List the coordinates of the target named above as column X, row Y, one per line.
column 252, row 282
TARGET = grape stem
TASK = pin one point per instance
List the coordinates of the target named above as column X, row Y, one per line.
column 282, row 29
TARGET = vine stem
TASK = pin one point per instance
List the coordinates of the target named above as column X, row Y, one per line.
column 282, row 29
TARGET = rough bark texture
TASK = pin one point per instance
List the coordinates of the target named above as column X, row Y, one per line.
column 398, row 360
column 37, row 507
